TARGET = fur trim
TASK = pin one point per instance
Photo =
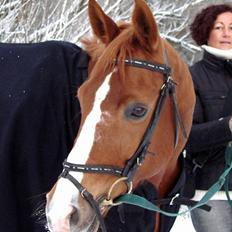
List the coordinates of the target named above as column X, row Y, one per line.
column 225, row 54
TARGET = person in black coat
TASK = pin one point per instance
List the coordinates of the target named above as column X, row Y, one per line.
column 212, row 122
column 39, row 119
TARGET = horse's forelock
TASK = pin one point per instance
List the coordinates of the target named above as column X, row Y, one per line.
column 125, row 45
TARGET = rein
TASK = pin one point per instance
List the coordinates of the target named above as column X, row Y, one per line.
column 133, row 199
column 126, row 174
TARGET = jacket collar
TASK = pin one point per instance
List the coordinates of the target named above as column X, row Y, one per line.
column 216, row 63
column 224, row 54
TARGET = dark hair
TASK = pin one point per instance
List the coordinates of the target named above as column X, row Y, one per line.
column 204, row 22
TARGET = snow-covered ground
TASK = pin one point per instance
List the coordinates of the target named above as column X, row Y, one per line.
column 183, row 223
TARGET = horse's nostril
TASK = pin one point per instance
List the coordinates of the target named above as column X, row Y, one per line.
column 74, row 217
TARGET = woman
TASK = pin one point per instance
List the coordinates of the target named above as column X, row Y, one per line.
column 212, row 124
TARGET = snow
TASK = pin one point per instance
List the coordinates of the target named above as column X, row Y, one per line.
column 183, row 223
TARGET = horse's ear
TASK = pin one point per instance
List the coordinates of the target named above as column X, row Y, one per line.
column 145, row 27
column 103, row 26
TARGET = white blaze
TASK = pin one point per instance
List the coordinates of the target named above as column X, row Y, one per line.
column 65, row 190
column 83, row 145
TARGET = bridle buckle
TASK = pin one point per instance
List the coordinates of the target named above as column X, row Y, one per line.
column 108, row 201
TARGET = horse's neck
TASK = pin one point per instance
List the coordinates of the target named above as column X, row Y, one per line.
column 164, row 182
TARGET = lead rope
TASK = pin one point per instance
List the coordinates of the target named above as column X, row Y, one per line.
column 136, row 200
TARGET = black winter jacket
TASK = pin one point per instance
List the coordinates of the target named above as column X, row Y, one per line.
column 210, row 132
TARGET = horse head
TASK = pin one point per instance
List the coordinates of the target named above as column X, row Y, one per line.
column 138, row 96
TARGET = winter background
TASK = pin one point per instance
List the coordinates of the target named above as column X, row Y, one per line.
column 27, row 21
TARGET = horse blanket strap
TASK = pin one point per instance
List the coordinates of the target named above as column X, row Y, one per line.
column 88, row 196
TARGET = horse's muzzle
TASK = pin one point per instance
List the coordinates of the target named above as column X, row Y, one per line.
column 69, row 218
column 59, row 222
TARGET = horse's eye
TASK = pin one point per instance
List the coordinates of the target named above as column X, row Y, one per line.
column 136, row 111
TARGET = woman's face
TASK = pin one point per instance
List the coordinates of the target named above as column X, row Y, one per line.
column 221, row 35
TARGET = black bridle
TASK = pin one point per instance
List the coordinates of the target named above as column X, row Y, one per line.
column 131, row 166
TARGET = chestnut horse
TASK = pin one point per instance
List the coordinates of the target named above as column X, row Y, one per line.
column 137, row 85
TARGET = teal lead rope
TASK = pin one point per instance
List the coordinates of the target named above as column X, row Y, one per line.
column 136, row 200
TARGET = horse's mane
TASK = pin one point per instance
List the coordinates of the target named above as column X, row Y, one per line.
column 122, row 47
